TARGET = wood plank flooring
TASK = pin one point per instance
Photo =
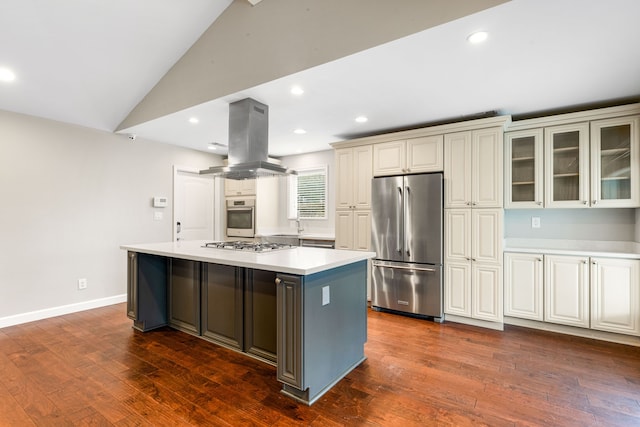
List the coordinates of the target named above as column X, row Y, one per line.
column 92, row 368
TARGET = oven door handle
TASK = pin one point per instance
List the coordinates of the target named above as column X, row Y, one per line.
column 402, row 267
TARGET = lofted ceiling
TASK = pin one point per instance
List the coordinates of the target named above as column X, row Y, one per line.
column 91, row 62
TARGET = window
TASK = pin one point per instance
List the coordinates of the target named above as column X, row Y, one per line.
column 308, row 194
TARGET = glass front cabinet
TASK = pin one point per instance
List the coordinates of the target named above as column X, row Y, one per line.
column 614, row 160
column 523, row 169
column 577, row 165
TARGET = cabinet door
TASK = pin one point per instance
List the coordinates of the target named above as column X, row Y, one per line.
column 290, row 330
column 344, row 178
column 248, row 187
column 362, row 175
column 614, row 295
column 457, row 288
column 344, row 230
column 132, row 285
column 362, row 230
column 222, row 310
column 457, row 170
column 523, row 286
column 425, row 154
column 523, row 169
column 566, row 291
column 184, row 295
column 486, row 292
column 614, row 162
column 389, row 158
column 260, row 311
column 486, row 237
column 487, row 166
column 566, row 178
column 457, row 239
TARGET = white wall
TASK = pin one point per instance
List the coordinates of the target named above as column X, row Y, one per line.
column 319, row 226
column 70, row 196
column 572, row 224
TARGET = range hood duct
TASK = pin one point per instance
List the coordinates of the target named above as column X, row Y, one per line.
column 248, row 143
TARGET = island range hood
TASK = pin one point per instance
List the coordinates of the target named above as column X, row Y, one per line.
column 248, row 144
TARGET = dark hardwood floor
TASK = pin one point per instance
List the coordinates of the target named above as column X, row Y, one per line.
column 92, row 368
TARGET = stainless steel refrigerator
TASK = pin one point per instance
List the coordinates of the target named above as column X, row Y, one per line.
column 407, row 238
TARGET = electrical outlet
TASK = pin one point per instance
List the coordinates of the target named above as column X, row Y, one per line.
column 326, row 298
column 535, row 222
column 82, row 283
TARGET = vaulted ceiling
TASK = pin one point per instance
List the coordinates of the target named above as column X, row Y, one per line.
column 148, row 66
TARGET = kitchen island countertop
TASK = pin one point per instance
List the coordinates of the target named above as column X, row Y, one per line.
column 298, row 260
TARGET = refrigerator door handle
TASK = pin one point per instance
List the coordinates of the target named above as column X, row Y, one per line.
column 402, row 267
column 407, row 221
column 398, row 230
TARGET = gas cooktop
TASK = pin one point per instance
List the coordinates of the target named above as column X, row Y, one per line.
column 248, row 246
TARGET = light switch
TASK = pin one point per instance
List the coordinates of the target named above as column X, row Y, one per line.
column 326, row 298
column 157, row 216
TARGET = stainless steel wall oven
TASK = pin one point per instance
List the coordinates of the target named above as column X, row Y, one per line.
column 241, row 217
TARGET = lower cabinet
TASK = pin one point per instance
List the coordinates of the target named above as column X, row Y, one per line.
column 222, row 304
column 588, row 292
column 473, row 290
column 147, row 290
column 290, row 307
column 260, row 314
column 184, row 295
column 566, row 290
column 239, row 309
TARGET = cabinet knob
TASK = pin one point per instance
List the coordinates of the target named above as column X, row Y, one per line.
column 539, row 260
column 584, row 261
column 468, row 203
column 538, row 203
column 278, row 281
column 595, row 202
column 585, row 202
column 473, row 259
column 594, row 263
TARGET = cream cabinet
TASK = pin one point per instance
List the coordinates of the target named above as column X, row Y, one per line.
column 416, row 155
column 566, row 290
column 615, row 296
column 354, row 174
column 567, row 166
column 473, row 169
column 586, row 164
column 523, row 286
column 239, row 187
column 353, row 230
column 588, row 292
column 473, row 263
column 615, row 159
column 523, row 154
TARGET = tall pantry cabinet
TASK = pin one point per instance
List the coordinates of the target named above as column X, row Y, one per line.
column 473, row 220
column 353, row 197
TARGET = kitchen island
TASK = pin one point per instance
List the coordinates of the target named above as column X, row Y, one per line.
column 302, row 309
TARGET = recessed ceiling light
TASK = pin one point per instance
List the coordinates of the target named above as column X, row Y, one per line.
column 362, row 119
column 6, row 75
column 477, row 37
column 193, row 120
column 297, row 90
column 300, row 131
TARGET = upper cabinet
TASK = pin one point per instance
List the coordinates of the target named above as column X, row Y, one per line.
column 523, row 169
column 353, row 166
column 615, row 161
column 242, row 187
column 416, row 155
column 577, row 160
column 567, row 166
column 473, row 169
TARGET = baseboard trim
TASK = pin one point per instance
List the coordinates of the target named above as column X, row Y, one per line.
column 18, row 319
column 497, row 326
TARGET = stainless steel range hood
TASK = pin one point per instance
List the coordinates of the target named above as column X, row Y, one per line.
column 248, row 143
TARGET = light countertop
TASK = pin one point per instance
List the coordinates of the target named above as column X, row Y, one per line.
column 607, row 249
column 299, row 260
